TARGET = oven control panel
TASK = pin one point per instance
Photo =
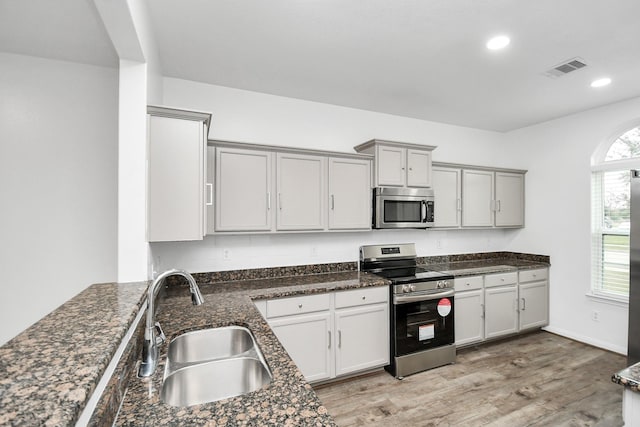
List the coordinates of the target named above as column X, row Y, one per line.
column 423, row 286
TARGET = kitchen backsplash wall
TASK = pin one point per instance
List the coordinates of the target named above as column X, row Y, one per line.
column 234, row 252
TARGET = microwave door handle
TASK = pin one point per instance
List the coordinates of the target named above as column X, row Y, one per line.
column 424, row 211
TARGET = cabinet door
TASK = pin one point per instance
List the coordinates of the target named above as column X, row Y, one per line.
column 469, row 319
column 390, row 166
column 208, row 196
column 418, row 168
column 534, row 304
column 307, row 338
column 501, row 315
column 243, row 190
column 447, row 193
column 509, row 199
column 477, row 198
column 301, row 192
column 362, row 338
column 176, row 157
column 349, row 194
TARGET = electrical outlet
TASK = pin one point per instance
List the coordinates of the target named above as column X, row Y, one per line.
column 226, row 254
column 438, row 244
column 595, row 315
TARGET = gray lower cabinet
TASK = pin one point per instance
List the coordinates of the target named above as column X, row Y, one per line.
column 469, row 309
column 333, row 334
column 496, row 305
column 533, row 298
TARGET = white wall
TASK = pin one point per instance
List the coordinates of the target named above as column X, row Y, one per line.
column 259, row 118
column 58, row 184
column 140, row 83
column 558, row 156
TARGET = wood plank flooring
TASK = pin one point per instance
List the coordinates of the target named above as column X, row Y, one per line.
column 539, row 379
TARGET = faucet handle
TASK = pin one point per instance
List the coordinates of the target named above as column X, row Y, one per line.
column 160, row 336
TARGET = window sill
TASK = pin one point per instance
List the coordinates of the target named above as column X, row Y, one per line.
column 609, row 299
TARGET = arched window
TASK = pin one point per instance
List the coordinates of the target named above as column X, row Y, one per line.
column 611, row 221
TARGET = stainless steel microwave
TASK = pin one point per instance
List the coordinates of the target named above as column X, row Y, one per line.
column 402, row 207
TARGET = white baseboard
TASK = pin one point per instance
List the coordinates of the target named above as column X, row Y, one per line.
column 587, row 340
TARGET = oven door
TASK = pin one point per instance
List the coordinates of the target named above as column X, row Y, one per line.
column 423, row 321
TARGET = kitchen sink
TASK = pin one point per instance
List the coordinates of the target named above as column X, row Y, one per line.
column 210, row 344
column 213, row 364
column 217, row 380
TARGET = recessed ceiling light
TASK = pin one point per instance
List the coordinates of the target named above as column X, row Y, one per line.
column 498, row 42
column 601, row 82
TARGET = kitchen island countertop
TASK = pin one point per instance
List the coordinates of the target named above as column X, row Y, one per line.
column 629, row 377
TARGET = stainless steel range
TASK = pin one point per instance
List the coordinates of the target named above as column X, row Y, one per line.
column 422, row 308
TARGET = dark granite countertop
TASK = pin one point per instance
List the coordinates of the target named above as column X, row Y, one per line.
column 48, row 372
column 485, row 266
column 629, row 377
column 288, row 400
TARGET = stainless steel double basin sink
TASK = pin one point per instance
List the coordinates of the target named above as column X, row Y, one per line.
column 213, row 364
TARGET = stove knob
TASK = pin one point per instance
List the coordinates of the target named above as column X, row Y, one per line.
column 412, row 288
column 405, row 288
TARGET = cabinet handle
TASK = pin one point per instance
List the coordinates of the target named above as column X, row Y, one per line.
column 482, row 315
column 524, row 304
column 339, row 339
column 280, row 201
column 333, row 202
column 329, row 339
column 364, row 298
column 269, row 200
column 299, row 305
column 498, row 206
column 459, row 204
column 210, row 194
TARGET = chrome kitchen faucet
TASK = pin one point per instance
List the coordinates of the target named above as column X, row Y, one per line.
column 153, row 335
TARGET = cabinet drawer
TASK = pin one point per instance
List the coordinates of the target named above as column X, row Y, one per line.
column 298, row 305
column 468, row 283
column 533, row 275
column 500, row 279
column 362, row 296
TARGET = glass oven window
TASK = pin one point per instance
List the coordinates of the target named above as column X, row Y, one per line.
column 402, row 211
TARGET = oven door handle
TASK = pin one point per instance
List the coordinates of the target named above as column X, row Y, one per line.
column 405, row 299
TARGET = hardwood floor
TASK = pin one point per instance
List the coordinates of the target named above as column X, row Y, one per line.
column 539, row 379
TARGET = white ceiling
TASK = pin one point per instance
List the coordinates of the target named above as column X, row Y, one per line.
column 416, row 58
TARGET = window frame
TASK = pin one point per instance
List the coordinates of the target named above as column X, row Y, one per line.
column 598, row 167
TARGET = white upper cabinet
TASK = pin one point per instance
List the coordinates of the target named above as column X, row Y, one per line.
column 349, row 194
column 447, row 189
column 418, row 168
column 244, row 196
column 301, row 192
column 477, row 198
column 509, row 199
column 261, row 188
column 391, row 165
column 399, row 164
column 176, row 164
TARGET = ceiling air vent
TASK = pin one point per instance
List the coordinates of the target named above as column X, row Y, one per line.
column 566, row 67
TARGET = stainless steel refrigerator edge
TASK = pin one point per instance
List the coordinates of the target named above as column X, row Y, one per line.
column 633, row 346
